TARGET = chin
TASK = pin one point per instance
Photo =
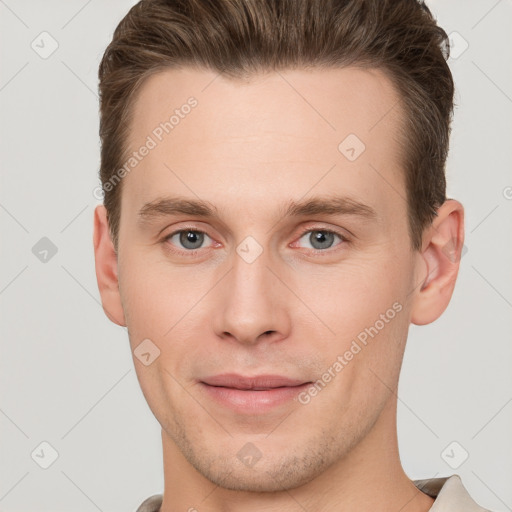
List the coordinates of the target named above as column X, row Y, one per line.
column 264, row 479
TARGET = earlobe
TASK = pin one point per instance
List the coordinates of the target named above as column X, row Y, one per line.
column 106, row 268
column 439, row 259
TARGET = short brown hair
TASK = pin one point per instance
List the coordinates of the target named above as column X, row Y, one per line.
column 239, row 38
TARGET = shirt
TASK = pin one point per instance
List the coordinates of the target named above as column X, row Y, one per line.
column 448, row 492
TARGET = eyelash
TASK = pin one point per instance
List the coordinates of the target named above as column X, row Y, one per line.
column 315, row 252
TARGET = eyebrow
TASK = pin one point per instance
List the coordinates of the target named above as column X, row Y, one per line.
column 329, row 205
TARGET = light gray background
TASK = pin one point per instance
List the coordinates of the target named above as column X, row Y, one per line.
column 67, row 376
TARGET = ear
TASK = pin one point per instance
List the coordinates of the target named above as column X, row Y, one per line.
column 106, row 268
column 439, row 263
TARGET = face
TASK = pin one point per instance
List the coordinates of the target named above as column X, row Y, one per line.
column 258, row 283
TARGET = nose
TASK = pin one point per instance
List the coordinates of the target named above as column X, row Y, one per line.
column 252, row 304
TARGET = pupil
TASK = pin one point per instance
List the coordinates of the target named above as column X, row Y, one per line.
column 323, row 238
column 190, row 237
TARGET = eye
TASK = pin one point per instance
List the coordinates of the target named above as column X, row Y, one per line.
column 321, row 239
column 190, row 239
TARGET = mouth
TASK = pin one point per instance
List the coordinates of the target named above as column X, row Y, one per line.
column 252, row 395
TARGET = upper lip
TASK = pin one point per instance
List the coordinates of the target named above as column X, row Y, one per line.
column 257, row 382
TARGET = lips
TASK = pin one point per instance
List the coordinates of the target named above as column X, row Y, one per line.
column 252, row 396
column 256, row 383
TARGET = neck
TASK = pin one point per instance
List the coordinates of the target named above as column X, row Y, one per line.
column 368, row 478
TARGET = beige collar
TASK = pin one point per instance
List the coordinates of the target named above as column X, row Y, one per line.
column 449, row 493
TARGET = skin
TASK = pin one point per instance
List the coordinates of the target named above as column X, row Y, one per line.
column 248, row 148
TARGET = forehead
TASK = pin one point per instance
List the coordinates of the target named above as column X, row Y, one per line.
column 291, row 131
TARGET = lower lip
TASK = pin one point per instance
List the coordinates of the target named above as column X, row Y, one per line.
column 250, row 401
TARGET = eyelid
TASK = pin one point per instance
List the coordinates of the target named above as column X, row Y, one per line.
column 323, row 230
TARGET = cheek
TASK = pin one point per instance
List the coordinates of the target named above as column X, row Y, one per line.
column 154, row 294
column 358, row 294
column 163, row 303
column 366, row 308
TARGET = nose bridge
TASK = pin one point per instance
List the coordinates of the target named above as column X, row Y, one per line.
column 253, row 304
column 250, row 275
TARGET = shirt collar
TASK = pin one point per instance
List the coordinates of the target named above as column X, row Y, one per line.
column 449, row 493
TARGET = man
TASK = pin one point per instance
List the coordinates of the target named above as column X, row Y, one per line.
column 274, row 219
